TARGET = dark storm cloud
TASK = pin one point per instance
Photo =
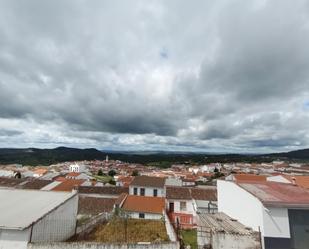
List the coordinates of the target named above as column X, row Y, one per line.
column 223, row 75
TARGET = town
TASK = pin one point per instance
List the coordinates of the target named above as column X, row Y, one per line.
column 105, row 202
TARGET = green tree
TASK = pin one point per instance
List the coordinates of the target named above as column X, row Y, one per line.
column 112, row 182
column 112, row 173
column 100, row 172
column 135, row 172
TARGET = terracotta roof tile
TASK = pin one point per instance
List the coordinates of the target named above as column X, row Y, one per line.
column 144, row 204
column 104, row 190
column 68, row 185
column 35, row 184
column 93, row 205
column 302, row 181
column 206, row 194
column 249, row 177
column 148, row 181
column 179, row 193
column 10, row 182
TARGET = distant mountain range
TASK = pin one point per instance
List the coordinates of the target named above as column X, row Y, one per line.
column 33, row 156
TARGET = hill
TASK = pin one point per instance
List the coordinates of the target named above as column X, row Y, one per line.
column 296, row 154
column 33, row 156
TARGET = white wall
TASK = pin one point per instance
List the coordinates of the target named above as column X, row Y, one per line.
column 148, row 216
column 190, row 208
column 59, row 225
column 276, row 222
column 148, row 191
column 16, row 239
column 240, row 204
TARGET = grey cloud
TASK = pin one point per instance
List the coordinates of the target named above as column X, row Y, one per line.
column 96, row 70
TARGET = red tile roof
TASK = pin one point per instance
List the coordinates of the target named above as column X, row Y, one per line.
column 68, row 185
column 144, row 204
column 103, row 190
column 205, row 194
column 302, row 181
column 148, row 181
column 178, row 193
column 93, row 206
column 73, row 174
column 249, row 177
column 278, row 194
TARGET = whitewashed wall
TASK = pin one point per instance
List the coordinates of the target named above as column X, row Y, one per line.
column 190, row 206
column 240, row 204
column 276, row 222
column 148, row 216
column 148, row 191
column 59, row 225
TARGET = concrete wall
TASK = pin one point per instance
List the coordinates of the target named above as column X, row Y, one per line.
column 240, row 204
column 91, row 245
column 148, row 191
column 59, row 225
column 230, row 241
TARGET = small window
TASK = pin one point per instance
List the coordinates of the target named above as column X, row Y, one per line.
column 135, row 191
column 155, row 192
column 142, row 192
column 141, row 215
column 183, row 206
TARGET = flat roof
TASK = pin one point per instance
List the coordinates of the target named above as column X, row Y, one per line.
column 20, row 208
column 278, row 194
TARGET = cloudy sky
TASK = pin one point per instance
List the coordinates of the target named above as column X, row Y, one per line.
column 224, row 75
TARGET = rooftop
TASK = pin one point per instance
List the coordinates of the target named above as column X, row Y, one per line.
column 10, row 182
column 104, row 190
column 185, row 193
column 178, row 193
column 35, row 184
column 249, row 177
column 148, row 181
column 144, row 204
column 302, row 181
column 23, row 207
column 93, row 205
column 278, row 194
column 221, row 223
column 207, row 193
column 68, row 185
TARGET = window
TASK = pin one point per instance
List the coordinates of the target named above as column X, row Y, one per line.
column 183, row 206
column 135, row 191
column 142, row 191
column 141, row 215
column 155, row 192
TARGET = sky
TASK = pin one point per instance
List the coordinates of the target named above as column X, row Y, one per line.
column 212, row 76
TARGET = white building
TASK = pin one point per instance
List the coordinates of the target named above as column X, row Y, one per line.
column 77, row 168
column 36, row 216
column 144, row 207
column 147, row 186
column 280, row 211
